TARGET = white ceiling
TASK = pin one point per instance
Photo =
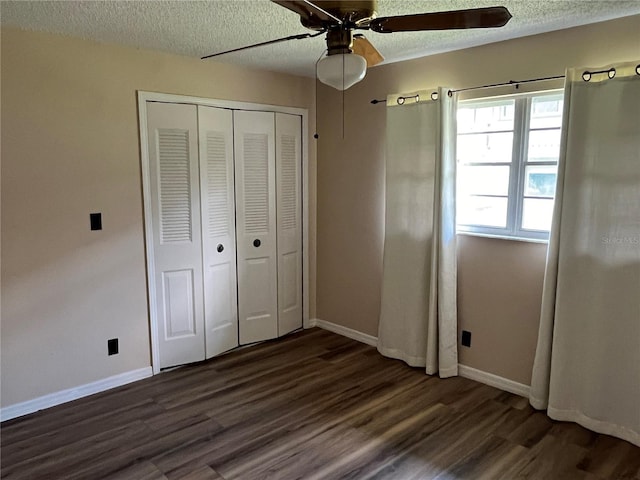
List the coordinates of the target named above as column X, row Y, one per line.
column 198, row 28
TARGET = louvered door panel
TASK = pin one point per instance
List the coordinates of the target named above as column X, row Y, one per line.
column 218, row 231
column 174, row 186
column 256, row 183
column 256, row 225
column 217, row 175
column 175, row 205
column 289, row 215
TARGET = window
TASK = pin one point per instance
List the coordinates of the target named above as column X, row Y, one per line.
column 508, row 151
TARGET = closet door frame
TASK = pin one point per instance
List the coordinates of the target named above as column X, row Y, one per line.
column 143, row 98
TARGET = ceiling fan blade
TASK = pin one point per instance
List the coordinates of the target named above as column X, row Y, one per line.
column 364, row 48
column 269, row 42
column 457, row 19
column 309, row 11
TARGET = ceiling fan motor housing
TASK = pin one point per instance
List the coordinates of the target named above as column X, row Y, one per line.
column 339, row 40
column 351, row 12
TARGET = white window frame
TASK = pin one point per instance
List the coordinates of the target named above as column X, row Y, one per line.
column 516, row 191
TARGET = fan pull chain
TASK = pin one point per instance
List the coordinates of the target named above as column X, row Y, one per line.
column 316, row 136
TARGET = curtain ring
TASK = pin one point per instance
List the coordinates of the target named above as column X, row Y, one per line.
column 638, row 69
column 611, row 73
column 434, row 96
column 417, row 98
column 400, row 100
column 586, row 76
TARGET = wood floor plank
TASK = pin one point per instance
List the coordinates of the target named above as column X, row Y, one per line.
column 63, row 462
column 606, row 456
column 313, row 405
column 322, row 409
column 512, row 400
column 362, row 428
column 628, row 468
column 549, row 458
column 359, row 453
column 202, row 473
column 139, row 471
column 488, row 460
column 73, row 432
column 532, row 430
column 431, row 455
column 568, row 433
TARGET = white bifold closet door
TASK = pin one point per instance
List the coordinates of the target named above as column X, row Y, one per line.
column 226, row 222
column 218, row 229
column 175, row 203
column 289, row 222
column 254, row 140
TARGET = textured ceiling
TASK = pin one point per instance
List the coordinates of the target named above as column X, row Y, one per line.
column 197, row 28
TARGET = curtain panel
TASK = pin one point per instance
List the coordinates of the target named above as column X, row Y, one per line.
column 587, row 364
column 418, row 319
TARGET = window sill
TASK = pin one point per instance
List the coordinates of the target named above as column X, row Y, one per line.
column 503, row 237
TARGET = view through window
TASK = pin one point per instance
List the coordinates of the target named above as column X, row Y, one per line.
column 507, row 152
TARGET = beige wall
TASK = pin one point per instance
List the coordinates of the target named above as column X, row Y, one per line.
column 70, row 147
column 499, row 294
column 351, row 192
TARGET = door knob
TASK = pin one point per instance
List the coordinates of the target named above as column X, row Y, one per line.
column 257, row 243
column 220, row 248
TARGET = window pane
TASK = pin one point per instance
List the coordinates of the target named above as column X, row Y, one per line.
column 486, row 211
column 489, row 117
column 536, row 214
column 483, row 180
column 485, row 147
column 546, row 111
column 544, row 145
column 540, row 180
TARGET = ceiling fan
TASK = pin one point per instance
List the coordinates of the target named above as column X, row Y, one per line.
column 349, row 54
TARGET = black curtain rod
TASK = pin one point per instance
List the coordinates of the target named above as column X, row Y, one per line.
column 586, row 76
column 493, row 85
column 504, row 84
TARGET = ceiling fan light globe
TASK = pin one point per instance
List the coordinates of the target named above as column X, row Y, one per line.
column 342, row 70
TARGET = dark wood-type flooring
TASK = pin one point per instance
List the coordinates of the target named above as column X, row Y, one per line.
column 313, row 405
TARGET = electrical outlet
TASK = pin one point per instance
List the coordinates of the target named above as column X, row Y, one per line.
column 96, row 221
column 112, row 346
column 466, row 338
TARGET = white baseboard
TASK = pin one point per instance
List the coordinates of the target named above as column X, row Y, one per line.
column 344, row 331
column 494, row 380
column 63, row 396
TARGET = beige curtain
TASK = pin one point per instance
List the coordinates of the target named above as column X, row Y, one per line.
column 587, row 365
column 418, row 320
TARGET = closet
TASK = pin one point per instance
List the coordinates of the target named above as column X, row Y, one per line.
column 224, row 228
